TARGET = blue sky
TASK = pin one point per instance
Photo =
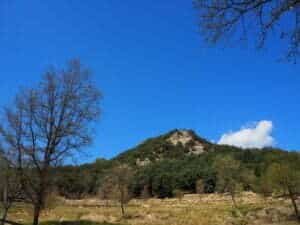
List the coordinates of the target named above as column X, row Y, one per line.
column 152, row 67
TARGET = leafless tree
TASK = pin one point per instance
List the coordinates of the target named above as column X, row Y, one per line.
column 228, row 176
column 238, row 19
column 116, row 185
column 46, row 125
column 284, row 178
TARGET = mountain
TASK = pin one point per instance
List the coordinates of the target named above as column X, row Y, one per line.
column 173, row 161
column 174, row 144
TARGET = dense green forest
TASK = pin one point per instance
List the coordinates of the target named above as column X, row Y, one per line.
column 170, row 170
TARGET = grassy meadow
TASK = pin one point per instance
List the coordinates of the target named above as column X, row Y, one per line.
column 209, row 209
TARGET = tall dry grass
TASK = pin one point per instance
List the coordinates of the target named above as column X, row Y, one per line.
column 212, row 209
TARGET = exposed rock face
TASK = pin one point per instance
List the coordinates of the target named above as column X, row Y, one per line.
column 187, row 139
column 176, row 144
column 140, row 162
column 197, row 149
column 180, row 136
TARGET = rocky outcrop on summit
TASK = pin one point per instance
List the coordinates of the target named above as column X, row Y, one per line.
column 188, row 140
column 175, row 144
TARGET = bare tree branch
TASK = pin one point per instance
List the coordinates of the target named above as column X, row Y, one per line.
column 235, row 19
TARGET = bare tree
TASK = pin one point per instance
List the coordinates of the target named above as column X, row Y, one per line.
column 228, row 176
column 236, row 19
column 285, row 178
column 105, row 191
column 48, row 124
column 116, row 185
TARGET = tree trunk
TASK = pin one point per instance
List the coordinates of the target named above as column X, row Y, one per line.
column 41, row 194
column 123, row 209
column 295, row 207
column 36, row 214
column 294, row 203
column 2, row 222
column 233, row 200
column 6, row 204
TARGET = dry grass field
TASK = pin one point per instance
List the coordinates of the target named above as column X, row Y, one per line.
column 210, row 209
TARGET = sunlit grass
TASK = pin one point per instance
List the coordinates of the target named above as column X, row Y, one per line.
column 81, row 222
column 191, row 210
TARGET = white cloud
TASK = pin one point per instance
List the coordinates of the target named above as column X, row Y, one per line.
column 257, row 136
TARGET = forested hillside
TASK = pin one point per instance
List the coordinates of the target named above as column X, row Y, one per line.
column 177, row 162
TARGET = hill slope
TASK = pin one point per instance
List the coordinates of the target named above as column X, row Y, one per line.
column 174, row 161
column 175, row 144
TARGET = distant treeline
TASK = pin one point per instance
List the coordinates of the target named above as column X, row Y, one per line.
column 168, row 177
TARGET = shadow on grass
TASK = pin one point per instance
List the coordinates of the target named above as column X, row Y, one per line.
column 79, row 222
